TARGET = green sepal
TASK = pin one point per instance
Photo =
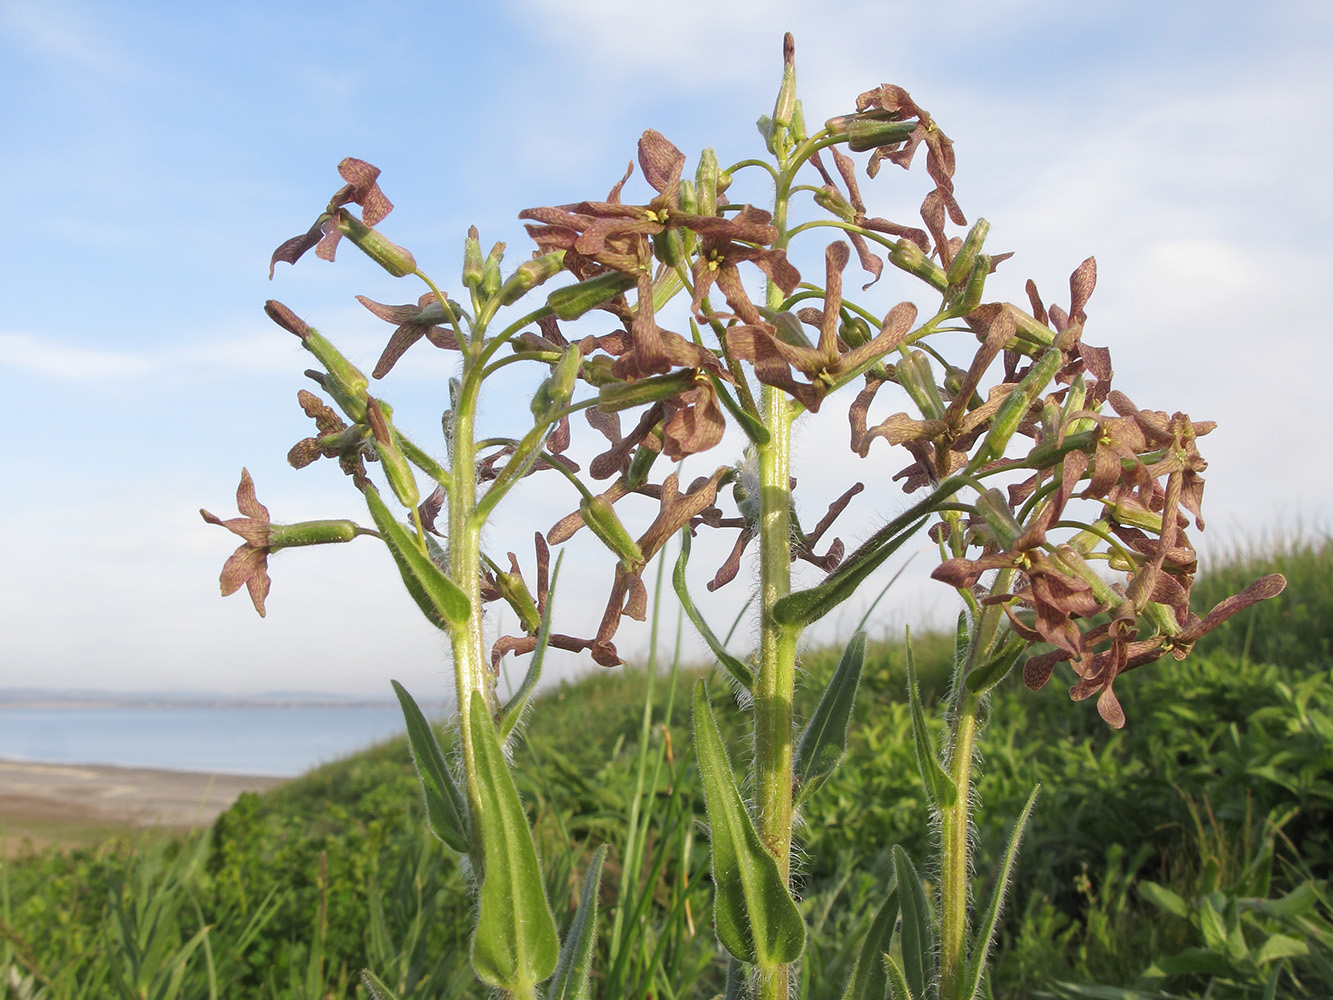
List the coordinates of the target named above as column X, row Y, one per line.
column 446, row 814
column 516, row 945
column 961, row 265
column 738, row 670
column 981, row 679
column 755, row 917
column 617, row 396
column 869, row 978
column 940, row 788
column 918, row 938
column 1015, row 405
column 573, row 971
column 572, row 301
column 976, row 962
column 823, row 743
column 376, row 989
column 438, row 597
column 513, row 709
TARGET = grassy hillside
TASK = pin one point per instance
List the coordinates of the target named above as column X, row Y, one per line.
column 1196, row 841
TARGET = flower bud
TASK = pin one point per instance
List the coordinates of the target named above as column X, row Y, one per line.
column 490, row 271
column 1075, row 399
column 909, row 257
column 855, row 332
column 1015, row 406
column 1030, row 329
column 395, row 259
column 913, row 374
column 706, row 183
column 529, row 275
column 669, row 247
column 993, row 506
column 765, row 127
column 970, row 296
column 623, row 395
column 345, row 382
column 961, row 266
column 573, row 301
column 798, row 131
column 785, row 105
column 555, row 392
column 831, row 200
column 396, row 467
column 472, row 266
column 640, row 465
column 601, row 518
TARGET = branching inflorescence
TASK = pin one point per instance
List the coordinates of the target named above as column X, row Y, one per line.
column 1059, row 507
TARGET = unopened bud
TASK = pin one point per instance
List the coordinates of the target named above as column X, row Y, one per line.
column 909, row 257
column 601, row 518
column 798, row 131
column 970, row 296
column 344, row 382
column 389, row 255
column 640, row 465
column 961, row 266
column 705, row 182
column 790, row 330
column 855, row 332
column 831, row 200
column 490, row 271
column 516, row 594
column 472, row 265
column 555, row 392
column 1030, row 329
column 529, row 275
column 914, row 375
column 572, row 301
column 785, row 105
column 994, row 509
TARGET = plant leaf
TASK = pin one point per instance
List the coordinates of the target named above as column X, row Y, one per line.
column 438, row 597
column 918, row 938
column 976, row 962
column 376, row 989
column 446, row 813
column 754, row 915
column 898, row 981
column 515, row 945
column 743, row 674
column 513, row 709
column 981, row 679
column 823, row 743
column 869, row 978
column 1164, row 899
column 940, row 788
column 571, row 980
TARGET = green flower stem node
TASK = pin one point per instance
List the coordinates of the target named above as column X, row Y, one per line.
column 940, row 788
column 602, row 520
column 572, row 980
column 446, row 814
column 755, row 917
column 529, row 275
column 439, row 598
column 515, row 946
column 917, row 938
column 1015, row 406
column 397, row 470
column 738, row 670
column 907, row 256
column 823, row 743
column 397, row 260
column 961, row 266
column 869, row 978
column 572, row 301
column 618, row 396
column 290, row 536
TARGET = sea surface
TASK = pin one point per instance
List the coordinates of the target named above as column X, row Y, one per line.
column 283, row 741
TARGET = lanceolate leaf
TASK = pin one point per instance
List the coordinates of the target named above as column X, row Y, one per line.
column 733, row 666
column 438, row 597
column 939, row 786
column 571, row 980
column 515, row 946
column 918, row 938
column 869, row 978
column 445, row 812
column 981, row 679
column 976, row 963
column 755, row 917
column 897, row 980
column 513, row 710
column 823, row 744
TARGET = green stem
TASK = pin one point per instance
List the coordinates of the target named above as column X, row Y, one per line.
column 954, row 851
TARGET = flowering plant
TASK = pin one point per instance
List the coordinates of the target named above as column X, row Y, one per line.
column 1059, row 507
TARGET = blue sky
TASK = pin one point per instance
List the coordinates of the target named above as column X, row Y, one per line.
column 155, row 154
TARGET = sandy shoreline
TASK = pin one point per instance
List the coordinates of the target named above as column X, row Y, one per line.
column 38, row 800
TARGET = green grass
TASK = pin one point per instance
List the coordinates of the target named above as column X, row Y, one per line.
column 1220, row 788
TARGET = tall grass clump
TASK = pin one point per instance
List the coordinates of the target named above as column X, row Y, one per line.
column 1061, row 511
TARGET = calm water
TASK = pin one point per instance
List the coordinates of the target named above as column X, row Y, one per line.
column 280, row 741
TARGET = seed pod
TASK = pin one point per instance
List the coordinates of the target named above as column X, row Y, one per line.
column 529, row 275
column 396, row 467
column 1015, row 405
column 603, row 521
column 967, row 253
column 472, row 266
column 640, row 465
column 397, row 260
column 865, row 134
column 573, row 301
column 914, row 375
column 622, row 395
column 909, row 257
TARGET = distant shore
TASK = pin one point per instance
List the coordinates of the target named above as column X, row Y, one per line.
column 68, row 804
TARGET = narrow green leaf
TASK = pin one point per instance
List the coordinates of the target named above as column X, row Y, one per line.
column 981, row 679
column 807, row 606
column 823, row 744
column 755, row 917
column 376, row 989
column 515, row 946
column 869, row 978
column 940, row 788
column 1164, row 899
column 446, row 813
column 571, row 980
column 513, row 709
column 733, row 666
column 1280, row 946
column 439, row 598
column 750, row 424
column 897, row 980
column 918, row 937
column 976, row 962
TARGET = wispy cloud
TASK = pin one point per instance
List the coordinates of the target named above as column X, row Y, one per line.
column 63, row 35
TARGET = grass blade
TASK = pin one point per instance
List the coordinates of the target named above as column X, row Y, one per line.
column 918, row 939
column 571, row 980
column 869, row 978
